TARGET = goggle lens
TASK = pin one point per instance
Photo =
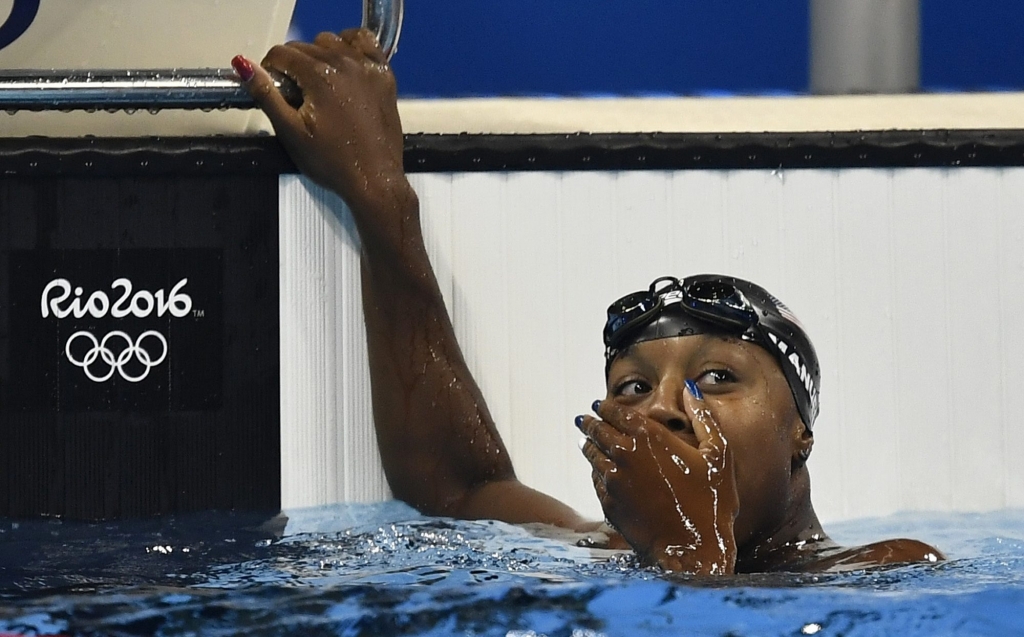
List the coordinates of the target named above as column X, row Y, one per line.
column 720, row 302
column 627, row 310
column 714, row 300
column 711, row 291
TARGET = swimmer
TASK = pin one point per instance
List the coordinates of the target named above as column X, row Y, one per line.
column 699, row 447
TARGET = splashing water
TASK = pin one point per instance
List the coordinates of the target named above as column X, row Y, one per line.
column 385, row 570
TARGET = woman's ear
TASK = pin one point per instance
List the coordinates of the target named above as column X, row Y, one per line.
column 803, row 442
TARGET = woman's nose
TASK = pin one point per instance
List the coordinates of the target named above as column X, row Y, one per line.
column 667, row 407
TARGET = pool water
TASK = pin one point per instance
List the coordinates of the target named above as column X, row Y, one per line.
column 386, row 570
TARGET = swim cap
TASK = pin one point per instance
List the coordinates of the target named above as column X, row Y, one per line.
column 712, row 303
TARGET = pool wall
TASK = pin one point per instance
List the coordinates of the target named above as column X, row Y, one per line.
column 899, row 248
column 908, row 281
column 908, row 275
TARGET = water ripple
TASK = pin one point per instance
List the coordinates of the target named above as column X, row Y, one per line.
column 384, row 570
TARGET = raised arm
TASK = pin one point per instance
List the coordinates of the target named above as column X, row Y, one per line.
column 440, row 448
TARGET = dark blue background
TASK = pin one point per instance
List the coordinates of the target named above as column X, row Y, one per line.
column 572, row 47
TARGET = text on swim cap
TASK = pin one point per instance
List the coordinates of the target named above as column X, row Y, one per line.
column 798, row 365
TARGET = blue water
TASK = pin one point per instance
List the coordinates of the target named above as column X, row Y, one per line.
column 385, row 570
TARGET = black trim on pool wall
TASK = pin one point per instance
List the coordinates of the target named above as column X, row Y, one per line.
column 678, row 151
column 208, row 156
column 142, row 156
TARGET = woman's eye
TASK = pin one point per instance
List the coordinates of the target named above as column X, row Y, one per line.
column 716, row 377
column 632, row 388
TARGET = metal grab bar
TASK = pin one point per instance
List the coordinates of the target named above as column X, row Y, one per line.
column 156, row 90
column 384, row 19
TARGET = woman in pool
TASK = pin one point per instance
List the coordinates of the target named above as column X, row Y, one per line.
column 699, row 447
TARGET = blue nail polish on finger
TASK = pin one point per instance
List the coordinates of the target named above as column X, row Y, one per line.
column 596, row 405
column 692, row 387
column 579, row 422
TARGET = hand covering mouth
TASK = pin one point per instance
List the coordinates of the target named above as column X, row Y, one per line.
column 688, row 436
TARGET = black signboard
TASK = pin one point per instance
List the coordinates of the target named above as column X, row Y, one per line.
column 139, row 339
column 136, row 330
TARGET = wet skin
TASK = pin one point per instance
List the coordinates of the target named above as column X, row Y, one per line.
column 740, row 444
column 439, row 445
column 722, row 477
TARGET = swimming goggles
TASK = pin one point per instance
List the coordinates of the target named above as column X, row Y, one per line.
column 706, row 297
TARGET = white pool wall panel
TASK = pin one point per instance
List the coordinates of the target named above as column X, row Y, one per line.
column 328, row 446
column 909, row 282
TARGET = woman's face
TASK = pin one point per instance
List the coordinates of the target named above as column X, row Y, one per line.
column 748, row 396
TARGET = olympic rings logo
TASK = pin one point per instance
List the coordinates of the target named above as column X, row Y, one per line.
column 101, row 354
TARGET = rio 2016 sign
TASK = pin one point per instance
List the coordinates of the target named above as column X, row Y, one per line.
column 141, row 305
column 22, row 15
column 136, row 329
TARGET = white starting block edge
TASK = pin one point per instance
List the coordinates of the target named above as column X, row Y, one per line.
column 142, row 34
column 961, row 111
column 955, row 111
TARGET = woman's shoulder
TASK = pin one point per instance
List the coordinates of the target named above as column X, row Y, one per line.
column 894, row 551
